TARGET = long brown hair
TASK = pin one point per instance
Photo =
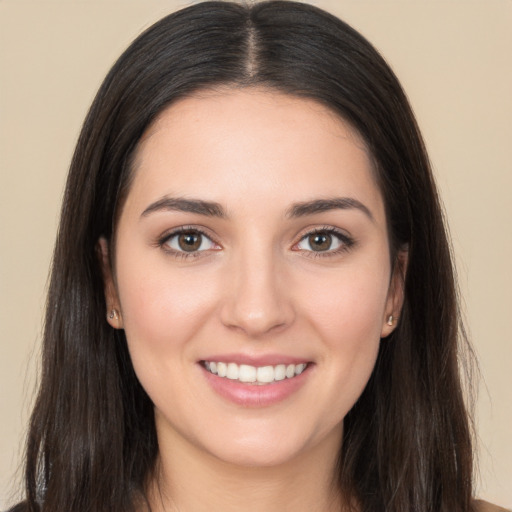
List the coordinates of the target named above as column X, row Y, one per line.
column 92, row 443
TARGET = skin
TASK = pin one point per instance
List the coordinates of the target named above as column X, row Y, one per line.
column 257, row 286
column 484, row 506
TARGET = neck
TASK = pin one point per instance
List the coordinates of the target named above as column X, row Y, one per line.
column 189, row 480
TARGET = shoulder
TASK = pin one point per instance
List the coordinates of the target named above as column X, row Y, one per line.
column 21, row 507
column 484, row 506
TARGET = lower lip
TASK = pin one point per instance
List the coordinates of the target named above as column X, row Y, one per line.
column 253, row 395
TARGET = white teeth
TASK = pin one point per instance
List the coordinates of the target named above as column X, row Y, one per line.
column 222, row 369
column 280, row 372
column 300, row 368
column 246, row 373
column 232, row 371
column 254, row 374
column 265, row 374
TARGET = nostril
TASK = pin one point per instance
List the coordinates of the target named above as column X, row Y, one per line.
column 256, row 301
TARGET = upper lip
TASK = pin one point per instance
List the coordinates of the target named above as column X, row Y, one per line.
column 256, row 360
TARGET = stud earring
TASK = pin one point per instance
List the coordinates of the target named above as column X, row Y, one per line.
column 390, row 320
column 113, row 315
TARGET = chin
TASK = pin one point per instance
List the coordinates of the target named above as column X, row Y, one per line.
column 263, row 456
column 272, row 449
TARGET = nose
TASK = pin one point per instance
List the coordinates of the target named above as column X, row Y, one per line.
column 257, row 296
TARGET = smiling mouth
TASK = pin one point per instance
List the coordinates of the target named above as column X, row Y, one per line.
column 256, row 375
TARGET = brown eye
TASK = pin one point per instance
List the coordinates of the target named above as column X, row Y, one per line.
column 324, row 241
column 320, row 241
column 189, row 242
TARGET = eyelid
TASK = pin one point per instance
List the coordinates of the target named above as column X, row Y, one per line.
column 346, row 241
column 163, row 240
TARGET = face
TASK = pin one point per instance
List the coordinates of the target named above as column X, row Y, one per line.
column 252, row 274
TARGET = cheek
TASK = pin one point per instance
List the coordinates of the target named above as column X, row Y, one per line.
column 162, row 312
column 347, row 314
column 161, row 309
column 350, row 305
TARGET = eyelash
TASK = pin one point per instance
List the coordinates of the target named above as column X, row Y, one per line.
column 183, row 255
column 346, row 242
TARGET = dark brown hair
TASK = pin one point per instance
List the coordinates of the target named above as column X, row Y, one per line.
column 92, row 441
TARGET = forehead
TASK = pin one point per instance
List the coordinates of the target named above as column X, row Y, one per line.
column 233, row 143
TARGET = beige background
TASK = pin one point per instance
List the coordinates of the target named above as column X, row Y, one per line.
column 453, row 57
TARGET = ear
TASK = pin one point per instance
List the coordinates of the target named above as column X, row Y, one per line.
column 395, row 299
column 113, row 313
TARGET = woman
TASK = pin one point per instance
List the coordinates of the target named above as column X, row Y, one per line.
column 251, row 208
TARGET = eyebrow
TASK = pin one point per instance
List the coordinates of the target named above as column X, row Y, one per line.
column 208, row 208
column 324, row 205
column 213, row 209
